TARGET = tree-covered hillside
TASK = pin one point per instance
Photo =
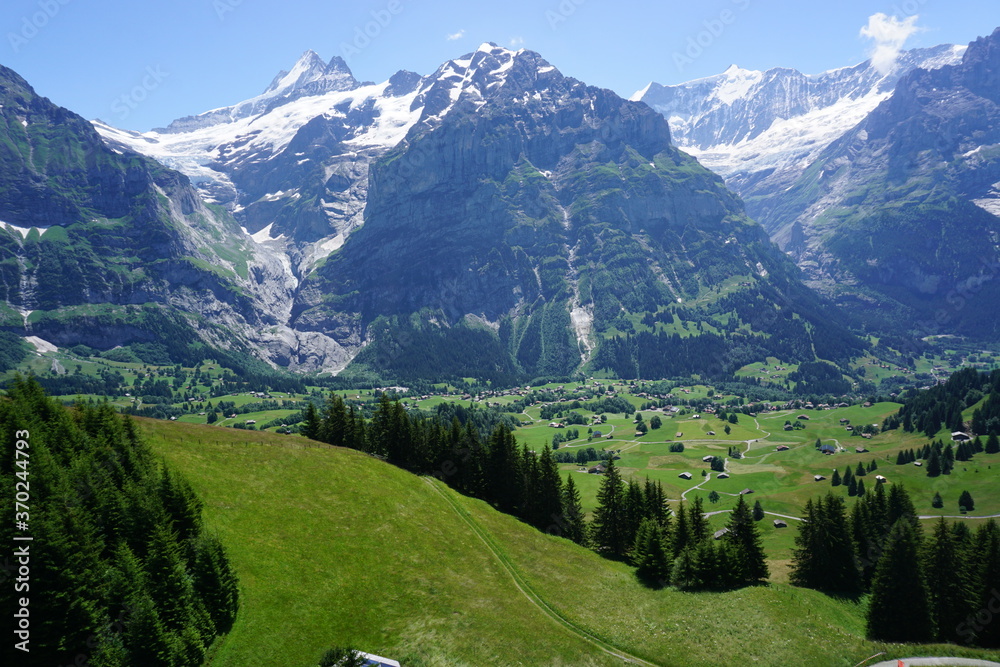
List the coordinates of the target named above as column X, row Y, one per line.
column 118, row 570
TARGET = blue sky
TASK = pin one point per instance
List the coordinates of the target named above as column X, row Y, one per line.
column 188, row 56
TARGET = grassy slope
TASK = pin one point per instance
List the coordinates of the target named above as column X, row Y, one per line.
column 332, row 546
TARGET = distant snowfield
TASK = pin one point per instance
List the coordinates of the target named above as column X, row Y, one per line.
column 792, row 142
column 195, row 152
column 23, row 231
column 41, row 345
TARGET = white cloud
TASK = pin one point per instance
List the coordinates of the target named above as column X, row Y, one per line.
column 516, row 42
column 889, row 34
column 455, row 35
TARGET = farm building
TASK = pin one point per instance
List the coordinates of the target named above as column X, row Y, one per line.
column 860, row 450
column 880, row 479
column 720, row 533
column 685, row 475
column 708, row 458
column 803, row 417
column 746, row 491
column 722, row 475
column 377, row 661
column 597, row 470
column 959, row 436
column 778, row 523
column 818, row 478
column 711, row 433
column 917, row 463
column 827, row 449
column 781, row 448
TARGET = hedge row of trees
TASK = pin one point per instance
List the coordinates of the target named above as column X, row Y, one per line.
column 121, row 570
column 922, row 588
column 515, row 480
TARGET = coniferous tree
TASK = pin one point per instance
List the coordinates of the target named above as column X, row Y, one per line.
column 573, row 517
column 215, row 582
column 992, row 444
column 948, row 583
column 655, row 505
column 861, row 488
column 503, row 470
column 852, row 487
column 610, row 534
column 635, row 510
column 825, row 556
column 806, row 563
column 745, row 540
column 549, row 499
column 899, row 610
column 985, row 562
column 650, row 554
column 901, row 458
column 682, row 532
column 860, row 471
column 697, row 523
column 835, row 480
column 334, row 427
column 965, row 501
column 706, row 564
column 937, row 502
column 684, row 574
column 758, row 511
column 934, row 464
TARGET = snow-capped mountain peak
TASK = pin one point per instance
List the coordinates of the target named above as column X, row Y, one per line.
column 308, row 68
column 308, row 76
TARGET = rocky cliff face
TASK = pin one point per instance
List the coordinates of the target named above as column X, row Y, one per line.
column 541, row 208
column 103, row 246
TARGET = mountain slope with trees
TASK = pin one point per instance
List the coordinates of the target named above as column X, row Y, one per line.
column 122, row 571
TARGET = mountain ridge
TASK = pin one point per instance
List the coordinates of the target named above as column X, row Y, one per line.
column 494, row 206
